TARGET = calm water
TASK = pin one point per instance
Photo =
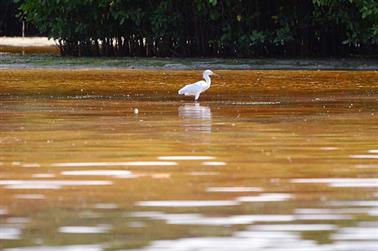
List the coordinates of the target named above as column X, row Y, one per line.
column 115, row 160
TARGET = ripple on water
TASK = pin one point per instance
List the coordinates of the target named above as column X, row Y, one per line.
column 59, row 248
column 367, row 166
column 341, row 182
column 250, row 240
column 203, row 173
column 99, row 229
column 30, row 196
column 18, row 220
column 113, row 173
column 295, row 227
column 187, row 203
column 50, row 184
column 43, row 175
column 106, row 206
column 325, row 212
column 266, row 197
column 357, row 203
column 364, row 156
column 30, row 165
column 257, row 103
column 309, row 217
column 213, row 163
column 10, row 232
column 198, row 219
column 186, row 157
column 131, row 163
column 234, row 189
column 329, row 148
column 3, row 211
column 356, row 233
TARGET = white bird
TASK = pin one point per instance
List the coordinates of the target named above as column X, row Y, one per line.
column 197, row 88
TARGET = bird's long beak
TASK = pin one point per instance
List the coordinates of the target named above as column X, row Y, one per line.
column 217, row 75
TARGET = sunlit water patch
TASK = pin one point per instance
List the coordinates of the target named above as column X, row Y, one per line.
column 361, row 232
column 266, row 197
column 50, row 184
column 186, row 157
column 341, row 182
column 31, row 196
column 3, row 211
column 197, row 219
column 106, row 206
column 234, row 189
column 113, row 173
column 364, row 156
column 9, row 232
column 188, row 203
column 99, row 229
column 131, row 163
column 43, row 175
column 201, row 173
column 356, row 203
column 295, row 227
column 30, row 165
column 326, row 212
column 18, row 220
column 214, row 163
column 257, row 103
column 60, row 248
column 258, row 241
column 367, row 166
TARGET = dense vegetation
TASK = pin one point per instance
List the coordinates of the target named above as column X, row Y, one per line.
column 10, row 25
column 221, row 28
column 11, row 20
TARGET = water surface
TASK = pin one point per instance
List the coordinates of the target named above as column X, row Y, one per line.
column 115, row 160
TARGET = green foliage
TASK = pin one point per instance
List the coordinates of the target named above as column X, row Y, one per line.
column 242, row 28
column 358, row 18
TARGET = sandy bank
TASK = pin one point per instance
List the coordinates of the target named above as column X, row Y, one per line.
column 27, row 41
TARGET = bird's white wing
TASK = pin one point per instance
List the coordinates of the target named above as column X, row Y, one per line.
column 192, row 89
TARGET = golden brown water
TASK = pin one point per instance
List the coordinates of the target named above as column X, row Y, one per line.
column 115, row 160
column 29, row 49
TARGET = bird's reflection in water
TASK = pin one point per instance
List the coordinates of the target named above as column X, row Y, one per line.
column 196, row 118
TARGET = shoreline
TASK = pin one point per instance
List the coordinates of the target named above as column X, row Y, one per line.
column 46, row 61
column 41, row 53
column 27, row 41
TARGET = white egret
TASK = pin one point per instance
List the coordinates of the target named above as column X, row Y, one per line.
column 197, row 88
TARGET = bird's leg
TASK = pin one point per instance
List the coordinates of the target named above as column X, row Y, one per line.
column 196, row 96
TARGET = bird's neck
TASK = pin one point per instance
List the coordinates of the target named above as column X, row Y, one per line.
column 207, row 80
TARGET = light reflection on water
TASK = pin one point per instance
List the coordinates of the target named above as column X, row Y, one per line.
column 233, row 189
column 196, row 118
column 196, row 219
column 60, row 248
column 112, row 173
column 188, row 203
column 185, row 157
column 50, row 184
column 292, row 167
column 10, row 233
column 342, row 182
column 85, row 229
column 132, row 163
column 30, row 196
